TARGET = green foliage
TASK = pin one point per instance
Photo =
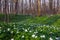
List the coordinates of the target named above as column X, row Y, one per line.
column 30, row 28
column 28, row 31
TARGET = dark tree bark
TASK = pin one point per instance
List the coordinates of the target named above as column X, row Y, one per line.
column 50, row 5
column 6, row 19
column 26, row 7
column 16, row 6
column 5, row 10
column 54, row 9
column 0, row 5
column 22, row 6
column 30, row 6
column 44, row 6
column 57, row 6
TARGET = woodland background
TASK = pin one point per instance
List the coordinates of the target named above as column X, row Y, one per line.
column 30, row 7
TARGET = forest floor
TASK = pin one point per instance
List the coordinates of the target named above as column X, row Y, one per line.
column 22, row 27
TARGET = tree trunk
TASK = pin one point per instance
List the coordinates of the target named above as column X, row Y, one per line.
column 44, row 6
column 38, row 1
column 57, row 6
column 0, row 6
column 54, row 7
column 50, row 5
column 5, row 11
column 22, row 6
column 16, row 5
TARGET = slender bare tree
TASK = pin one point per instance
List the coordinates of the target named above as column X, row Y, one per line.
column 30, row 6
column 0, row 5
column 38, row 1
column 54, row 8
column 5, row 11
column 16, row 6
column 57, row 6
column 44, row 6
column 50, row 5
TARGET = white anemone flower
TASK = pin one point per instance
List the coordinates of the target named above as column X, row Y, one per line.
column 26, row 30
column 50, row 38
column 42, row 36
column 22, row 36
column 12, row 39
column 33, row 35
column 8, row 29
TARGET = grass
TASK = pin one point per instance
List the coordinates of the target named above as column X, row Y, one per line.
column 22, row 27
